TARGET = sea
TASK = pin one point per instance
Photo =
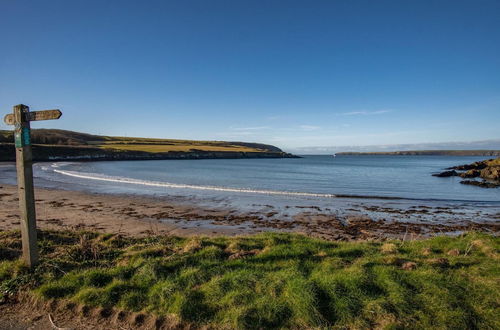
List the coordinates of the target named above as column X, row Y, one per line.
column 245, row 184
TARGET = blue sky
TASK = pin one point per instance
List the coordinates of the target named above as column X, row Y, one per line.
column 296, row 74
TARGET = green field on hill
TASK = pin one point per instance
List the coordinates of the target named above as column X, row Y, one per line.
column 185, row 146
column 268, row 280
column 53, row 137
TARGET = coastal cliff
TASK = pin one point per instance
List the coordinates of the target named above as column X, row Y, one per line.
column 58, row 145
column 494, row 153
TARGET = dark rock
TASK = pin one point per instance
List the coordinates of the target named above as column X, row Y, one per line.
column 484, row 184
column 446, row 174
column 474, row 166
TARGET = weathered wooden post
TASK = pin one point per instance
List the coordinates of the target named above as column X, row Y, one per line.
column 21, row 118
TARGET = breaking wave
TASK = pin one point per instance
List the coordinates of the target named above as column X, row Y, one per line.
column 106, row 178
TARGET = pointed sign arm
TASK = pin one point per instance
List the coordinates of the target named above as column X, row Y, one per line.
column 35, row 115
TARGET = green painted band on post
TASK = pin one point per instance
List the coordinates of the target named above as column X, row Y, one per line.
column 26, row 136
column 18, row 139
column 22, row 137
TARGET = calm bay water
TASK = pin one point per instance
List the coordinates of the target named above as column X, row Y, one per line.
column 407, row 177
column 383, row 187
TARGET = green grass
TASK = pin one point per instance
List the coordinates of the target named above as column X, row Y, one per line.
column 270, row 280
column 177, row 147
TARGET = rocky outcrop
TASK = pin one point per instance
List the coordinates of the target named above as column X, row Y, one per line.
column 483, row 183
column 485, row 173
column 491, row 173
column 474, row 166
column 446, row 174
column 470, row 174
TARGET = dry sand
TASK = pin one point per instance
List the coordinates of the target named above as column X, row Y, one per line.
column 130, row 215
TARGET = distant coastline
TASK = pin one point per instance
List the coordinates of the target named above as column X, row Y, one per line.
column 425, row 153
column 61, row 145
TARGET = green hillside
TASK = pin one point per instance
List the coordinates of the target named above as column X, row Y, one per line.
column 63, row 137
column 50, row 144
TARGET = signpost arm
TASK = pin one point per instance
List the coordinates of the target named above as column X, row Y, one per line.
column 24, row 160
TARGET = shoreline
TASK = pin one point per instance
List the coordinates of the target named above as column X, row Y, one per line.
column 100, row 179
column 133, row 215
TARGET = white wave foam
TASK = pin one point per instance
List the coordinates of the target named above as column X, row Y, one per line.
column 101, row 177
column 59, row 164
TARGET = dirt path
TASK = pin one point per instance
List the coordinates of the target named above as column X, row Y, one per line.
column 28, row 313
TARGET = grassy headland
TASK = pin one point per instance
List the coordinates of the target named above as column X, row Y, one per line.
column 268, row 280
column 52, row 144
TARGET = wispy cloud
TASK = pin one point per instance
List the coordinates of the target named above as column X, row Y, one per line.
column 232, row 135
column 255, row 128
column 309, row 127
column 365, row 113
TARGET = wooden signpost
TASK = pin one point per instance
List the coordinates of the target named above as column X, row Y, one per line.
column 21, row 118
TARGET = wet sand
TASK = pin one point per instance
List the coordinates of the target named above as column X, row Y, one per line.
column 135, row 215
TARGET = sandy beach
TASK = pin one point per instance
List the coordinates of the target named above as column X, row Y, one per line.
column 139, row 216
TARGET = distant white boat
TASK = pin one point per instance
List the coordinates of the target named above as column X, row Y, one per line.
column 334, row 155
